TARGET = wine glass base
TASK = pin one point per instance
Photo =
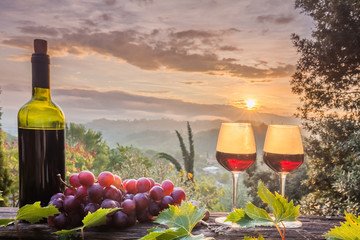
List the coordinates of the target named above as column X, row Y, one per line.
column 292, row 224
column 221, row 220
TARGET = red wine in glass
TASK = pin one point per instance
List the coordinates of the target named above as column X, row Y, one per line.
column 283, row 162
column 235, row 162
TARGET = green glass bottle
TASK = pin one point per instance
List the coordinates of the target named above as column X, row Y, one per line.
column 41, row 134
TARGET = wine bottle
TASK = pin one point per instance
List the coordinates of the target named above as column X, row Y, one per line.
column 41, row 136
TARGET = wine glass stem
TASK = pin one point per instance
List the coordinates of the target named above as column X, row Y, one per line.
column 235, row 176
column 282, row 183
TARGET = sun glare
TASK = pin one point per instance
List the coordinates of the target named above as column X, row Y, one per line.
column 250, row 104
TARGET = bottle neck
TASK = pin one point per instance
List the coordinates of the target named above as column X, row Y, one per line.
column 42, row 94
column 40, row 70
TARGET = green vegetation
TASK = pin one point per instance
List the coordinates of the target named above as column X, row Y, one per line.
column 328, row 83
column 5, row 178
column 188, row 155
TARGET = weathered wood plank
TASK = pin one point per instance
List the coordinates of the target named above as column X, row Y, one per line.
column 314, row 227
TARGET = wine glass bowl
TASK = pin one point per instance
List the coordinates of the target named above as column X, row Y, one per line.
column 236, row 150
column 283, row 148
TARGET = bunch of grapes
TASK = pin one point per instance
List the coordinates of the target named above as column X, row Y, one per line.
column 139, row 199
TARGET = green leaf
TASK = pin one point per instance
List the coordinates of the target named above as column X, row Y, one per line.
column 98, row 217
column 256, row 213
column 183, row 217
column 349, row 230
column 240, row 217
column 180, row 220
column 160, row 233
column 6, row 221
column 34, row 212
column 70, row 231
column 282, row 209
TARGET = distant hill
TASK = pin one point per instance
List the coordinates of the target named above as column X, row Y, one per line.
column 160, row 134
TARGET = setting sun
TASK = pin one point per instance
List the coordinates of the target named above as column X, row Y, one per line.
column 250, row 104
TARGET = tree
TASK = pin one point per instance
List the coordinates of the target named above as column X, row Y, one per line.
column 77, row 135
column 188, row 155
column 327, row 79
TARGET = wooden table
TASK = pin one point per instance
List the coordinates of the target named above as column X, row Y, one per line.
column 314, row 227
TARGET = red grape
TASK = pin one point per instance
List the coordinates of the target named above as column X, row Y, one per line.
column 117, row 182
column 178, row 195
column 106, row 178
column 157, row 193
column 112, row 193
column 154, row 208
column 108, row 203
column 143, row 185
column 128, row 206
column 71, row 204
column 125, row 182
column 86, row 178
column 74, row 180
column 69, row 191
column 141, row 201
column 120, row 219
column 168, row 187
column 60, row 221
column 129, row 196
column 131, row 186
column 58, row 203
column 95, row 193
column 152, row 182
column 166, row 201
column 91, row 207
column 57, row 195
column 143, row 215
column 81, row 193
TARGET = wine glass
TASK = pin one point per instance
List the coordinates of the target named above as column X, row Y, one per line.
column 236, row 150
column 283, row 153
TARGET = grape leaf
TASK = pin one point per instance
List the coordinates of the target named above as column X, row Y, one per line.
column 34, row 212
column 98, row 217
column 180, row 220
column 240, row 217
column 183, row 217
column 160, row 233
column 349, row 230
column 94, row 219
column 282, row 209
column 6, row 221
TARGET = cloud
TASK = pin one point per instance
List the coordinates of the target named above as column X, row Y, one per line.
column 154, row 92
column 277, row 19
column 193, row 34
column 229, row 48
column 184, row 51
column 193, row 82
column 39, row 30
column 261, row 81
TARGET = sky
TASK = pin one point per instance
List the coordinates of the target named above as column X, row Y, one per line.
column 152, row 59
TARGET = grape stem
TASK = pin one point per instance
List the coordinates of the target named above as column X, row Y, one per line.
column 62, row 181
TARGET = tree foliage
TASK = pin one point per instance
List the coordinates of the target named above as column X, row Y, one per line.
column 78, row 136
column 327, row 80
